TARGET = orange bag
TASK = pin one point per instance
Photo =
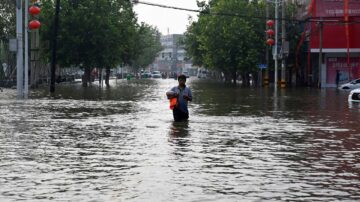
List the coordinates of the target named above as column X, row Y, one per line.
column 173, row 102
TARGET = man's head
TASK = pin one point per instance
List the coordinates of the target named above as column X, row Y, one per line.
column 182, row 80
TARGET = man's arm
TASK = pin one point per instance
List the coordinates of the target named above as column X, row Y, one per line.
column 172, row 93
column 188, row 97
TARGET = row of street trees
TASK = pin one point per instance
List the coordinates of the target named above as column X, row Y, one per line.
column 95, row 34
column 229, row 37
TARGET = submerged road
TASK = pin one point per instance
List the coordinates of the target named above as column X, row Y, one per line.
column 121, row 144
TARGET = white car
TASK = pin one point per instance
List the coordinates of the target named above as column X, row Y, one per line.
column 156, row 74
column 145, row 75
column 186, row 74
column 354, row 95
column 351, row 85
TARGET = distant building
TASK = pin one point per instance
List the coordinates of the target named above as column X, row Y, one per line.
column 172, row 58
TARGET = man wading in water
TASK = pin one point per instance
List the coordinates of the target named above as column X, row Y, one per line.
column 183, row 95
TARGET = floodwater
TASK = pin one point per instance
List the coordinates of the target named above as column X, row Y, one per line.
column 120, row 144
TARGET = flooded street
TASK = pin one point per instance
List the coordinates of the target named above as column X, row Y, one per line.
column 121, row 144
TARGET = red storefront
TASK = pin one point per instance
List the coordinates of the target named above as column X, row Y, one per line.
column 340, row 24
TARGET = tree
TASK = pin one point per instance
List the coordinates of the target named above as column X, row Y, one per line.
column 7, row 29
column 147, row 46
column 230, row 44
column 91, row 33
column 7, row 19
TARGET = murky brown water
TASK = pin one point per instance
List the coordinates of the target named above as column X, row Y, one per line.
column 120, row 144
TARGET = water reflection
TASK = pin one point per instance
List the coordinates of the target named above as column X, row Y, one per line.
column 354, row 106
column 179, row 129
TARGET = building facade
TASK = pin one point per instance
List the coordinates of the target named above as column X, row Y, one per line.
column 334, row 41
column 172, row 58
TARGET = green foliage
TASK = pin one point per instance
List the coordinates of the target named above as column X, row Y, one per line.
column 7, row 29
column 147, row 46
column 95, row 33
column 99, row 33
column 230, row 44
column 7, row 19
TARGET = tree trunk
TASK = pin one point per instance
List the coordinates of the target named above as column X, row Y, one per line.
column 86, row 77
column 107, row 76
column 255, row 79
column 227, row 77
column 234, row 77
column 100, row 76
column 245, row 79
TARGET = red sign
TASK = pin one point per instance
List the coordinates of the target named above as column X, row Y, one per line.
column 335, row 64
column 335, row 8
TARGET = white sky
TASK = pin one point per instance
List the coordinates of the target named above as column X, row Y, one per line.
column 164, row 18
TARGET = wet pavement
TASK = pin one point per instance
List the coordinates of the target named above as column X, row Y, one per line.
column 121, row 144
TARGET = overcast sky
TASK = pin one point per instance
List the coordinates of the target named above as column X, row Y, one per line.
column 166, row 19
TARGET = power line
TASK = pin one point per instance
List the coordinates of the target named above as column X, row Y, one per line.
column 310, row 19
column 206, row 12
column 165, row 6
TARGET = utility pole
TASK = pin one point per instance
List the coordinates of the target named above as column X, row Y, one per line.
column 54, row 40
column 266, row 76
column 320, row 51
column 26, row 68
column 276, row 42
column 283, row 38
column 20, row 54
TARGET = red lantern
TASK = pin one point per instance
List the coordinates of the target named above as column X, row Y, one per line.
column 270, row 42
column 34, row 24
column 270, row 23
column 34, row 10
column 270, row 32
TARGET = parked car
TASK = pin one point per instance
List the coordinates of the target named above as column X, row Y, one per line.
column 351, row 85
column 354, row 95
column 202, row 74
column 186, row 74
column 145, row 75
column 156, row 75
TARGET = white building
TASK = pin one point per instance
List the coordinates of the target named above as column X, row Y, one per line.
column 172, row 58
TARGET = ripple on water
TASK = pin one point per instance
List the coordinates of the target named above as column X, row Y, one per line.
column 129, row 149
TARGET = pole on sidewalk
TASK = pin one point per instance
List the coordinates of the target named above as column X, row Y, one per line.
column 276, row 42
column 283, row 38
column 20, row 54
column 320, row 52
column 266, row 76
column 26, row 68
column 54, row 43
